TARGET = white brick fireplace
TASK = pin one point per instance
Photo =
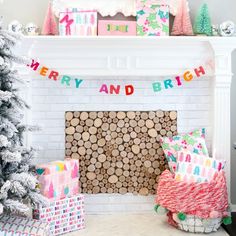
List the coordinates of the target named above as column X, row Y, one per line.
column 203, row 102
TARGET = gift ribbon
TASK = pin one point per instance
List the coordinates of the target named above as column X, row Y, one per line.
column 121, row 28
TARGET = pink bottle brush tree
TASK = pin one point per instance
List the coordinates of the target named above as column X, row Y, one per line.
column 182, row 23
column 51, row 191
column 50, row 25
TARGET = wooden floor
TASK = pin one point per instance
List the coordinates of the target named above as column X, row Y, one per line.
column 231, row 229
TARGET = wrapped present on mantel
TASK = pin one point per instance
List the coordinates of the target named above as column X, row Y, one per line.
column 83, row 23
column 63, row 216
column 59, row 179
column 152, row 18
column 116, row 28
column 18, row 226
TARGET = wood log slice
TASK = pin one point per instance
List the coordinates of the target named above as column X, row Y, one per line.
column 152, row 133
column 84, row 116
column 113, row 179
column 131, row 115
column 70, row 130
column 173, row 115
column 91, row 175
column 69, row 116
column 149, row 124
column 121, row 115
column 112, row 114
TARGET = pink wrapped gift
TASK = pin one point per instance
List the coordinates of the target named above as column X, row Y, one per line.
column 63, row 216
column 117, row 28
column 59, row 179
column 83, row 23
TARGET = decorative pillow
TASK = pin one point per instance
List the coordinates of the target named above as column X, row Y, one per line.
column 192, row 167
column 193, row 142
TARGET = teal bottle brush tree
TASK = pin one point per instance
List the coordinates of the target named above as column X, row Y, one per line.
column 202, row 23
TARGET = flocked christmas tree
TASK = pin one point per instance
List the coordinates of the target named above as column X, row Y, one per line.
column 182, row 23
column 18, row 185
column 50, row 24
column 202, row 23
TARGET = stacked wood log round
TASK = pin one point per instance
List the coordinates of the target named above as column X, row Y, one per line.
column 119, row 152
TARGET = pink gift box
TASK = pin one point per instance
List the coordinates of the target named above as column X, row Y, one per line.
column 63, row 216
column 83, row 23
column 116, row 28
column 59, row 179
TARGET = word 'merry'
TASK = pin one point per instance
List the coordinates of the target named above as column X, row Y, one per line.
column 54, row 75
column 170, row 83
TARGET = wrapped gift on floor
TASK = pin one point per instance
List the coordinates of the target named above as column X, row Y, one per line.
column 152, row 18
column 19, row 226
column 63, row 216
column 58, row 179
column 117, row 28
column 83, row 23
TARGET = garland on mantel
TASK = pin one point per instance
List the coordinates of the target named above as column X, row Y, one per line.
column 167, row 83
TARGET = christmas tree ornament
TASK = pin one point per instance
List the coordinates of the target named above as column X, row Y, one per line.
column 215, row 30
column 15, row 27
column 227, row 220
column 182, row 23
column 17, row 180
column 31, row 29
column 202, row 23
column 50, row 24
column 227, row 29
column 181, row 216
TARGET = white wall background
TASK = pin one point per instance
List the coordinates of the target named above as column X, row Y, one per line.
column 34, row 10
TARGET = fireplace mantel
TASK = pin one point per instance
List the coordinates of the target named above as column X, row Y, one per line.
column 126, row 57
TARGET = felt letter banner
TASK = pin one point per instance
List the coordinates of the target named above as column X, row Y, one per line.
column 167, row 83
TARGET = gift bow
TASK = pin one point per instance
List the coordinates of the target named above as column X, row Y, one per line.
column 121, row 28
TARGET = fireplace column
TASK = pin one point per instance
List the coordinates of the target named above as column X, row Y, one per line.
column 221, row 108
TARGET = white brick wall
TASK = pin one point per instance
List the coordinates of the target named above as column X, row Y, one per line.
column 50, row 100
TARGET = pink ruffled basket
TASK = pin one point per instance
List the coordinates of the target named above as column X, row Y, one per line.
column 194, row 207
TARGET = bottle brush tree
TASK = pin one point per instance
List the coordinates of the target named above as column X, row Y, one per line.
column 202, row 23
column 18, row 184
column 182, row 23
column 50, row 25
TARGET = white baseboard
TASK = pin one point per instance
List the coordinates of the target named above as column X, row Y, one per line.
column 114, row 203
column 100, row 204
